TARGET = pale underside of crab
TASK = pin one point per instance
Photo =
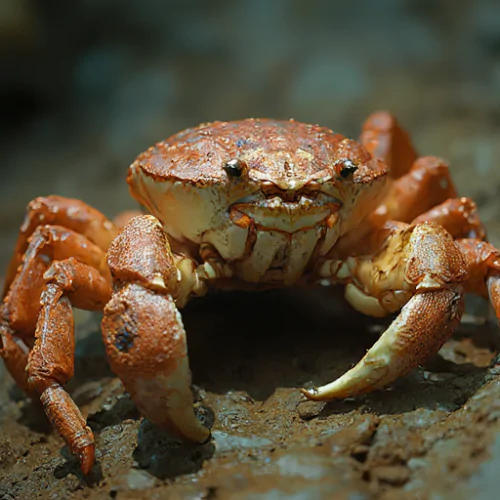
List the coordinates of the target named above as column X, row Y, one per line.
column 252, row 204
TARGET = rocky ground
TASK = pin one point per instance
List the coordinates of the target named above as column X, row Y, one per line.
column 80, row 99
column 432, row 433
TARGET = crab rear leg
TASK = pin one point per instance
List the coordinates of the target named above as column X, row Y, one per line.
column 58, row 267
column 20, row 308
column 427, row 184
column 419, row 268
column 72, row 214
column 459, row 216
column 142, row 327
column 383, row 138
column 14, row 353
column 483, row 269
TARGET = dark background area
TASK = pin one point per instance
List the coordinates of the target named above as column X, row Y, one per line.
column 87, row 85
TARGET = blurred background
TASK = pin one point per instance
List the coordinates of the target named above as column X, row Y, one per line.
column 88, row 84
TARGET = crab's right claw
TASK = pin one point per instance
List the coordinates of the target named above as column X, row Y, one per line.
column 419, row 331
column 146, row 346
column 143, row 331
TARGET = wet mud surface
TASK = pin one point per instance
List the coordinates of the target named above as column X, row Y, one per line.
column 428, row 434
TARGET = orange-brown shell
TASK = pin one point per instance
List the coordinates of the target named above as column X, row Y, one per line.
column 267, row 146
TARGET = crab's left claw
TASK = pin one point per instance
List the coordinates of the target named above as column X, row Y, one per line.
column 421, row 328
column 433, row 264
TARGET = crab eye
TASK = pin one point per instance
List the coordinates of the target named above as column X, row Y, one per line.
column 235, row 168
column 348, row 168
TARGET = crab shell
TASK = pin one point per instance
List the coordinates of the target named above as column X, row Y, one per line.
column 299, row 188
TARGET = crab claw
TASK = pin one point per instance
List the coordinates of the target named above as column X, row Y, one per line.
column 143, row 332
column 146, row 346
column 421, row 328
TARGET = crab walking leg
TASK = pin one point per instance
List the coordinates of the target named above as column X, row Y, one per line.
column 47, row 243
column 424, row 263
column 493, row 284
column 142, row 327
column 15, row 356
column 427, row 184
column 459, row 216
column 58, row 211
column 383, row 138
column 19, row 312
column 51, row 361
column 483, row 268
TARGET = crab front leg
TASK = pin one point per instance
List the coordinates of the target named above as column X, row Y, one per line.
column 142, row 327
column 420, row 269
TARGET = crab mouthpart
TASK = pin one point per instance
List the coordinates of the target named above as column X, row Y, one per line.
column 284, row 216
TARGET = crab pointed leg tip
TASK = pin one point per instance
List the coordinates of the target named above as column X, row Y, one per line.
column 87, row 459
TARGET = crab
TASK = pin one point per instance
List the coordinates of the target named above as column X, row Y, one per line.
column 251, row 204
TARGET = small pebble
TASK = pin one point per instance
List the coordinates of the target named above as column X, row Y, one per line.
column 140, row 480
column 228, row 442
column 308, row 410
